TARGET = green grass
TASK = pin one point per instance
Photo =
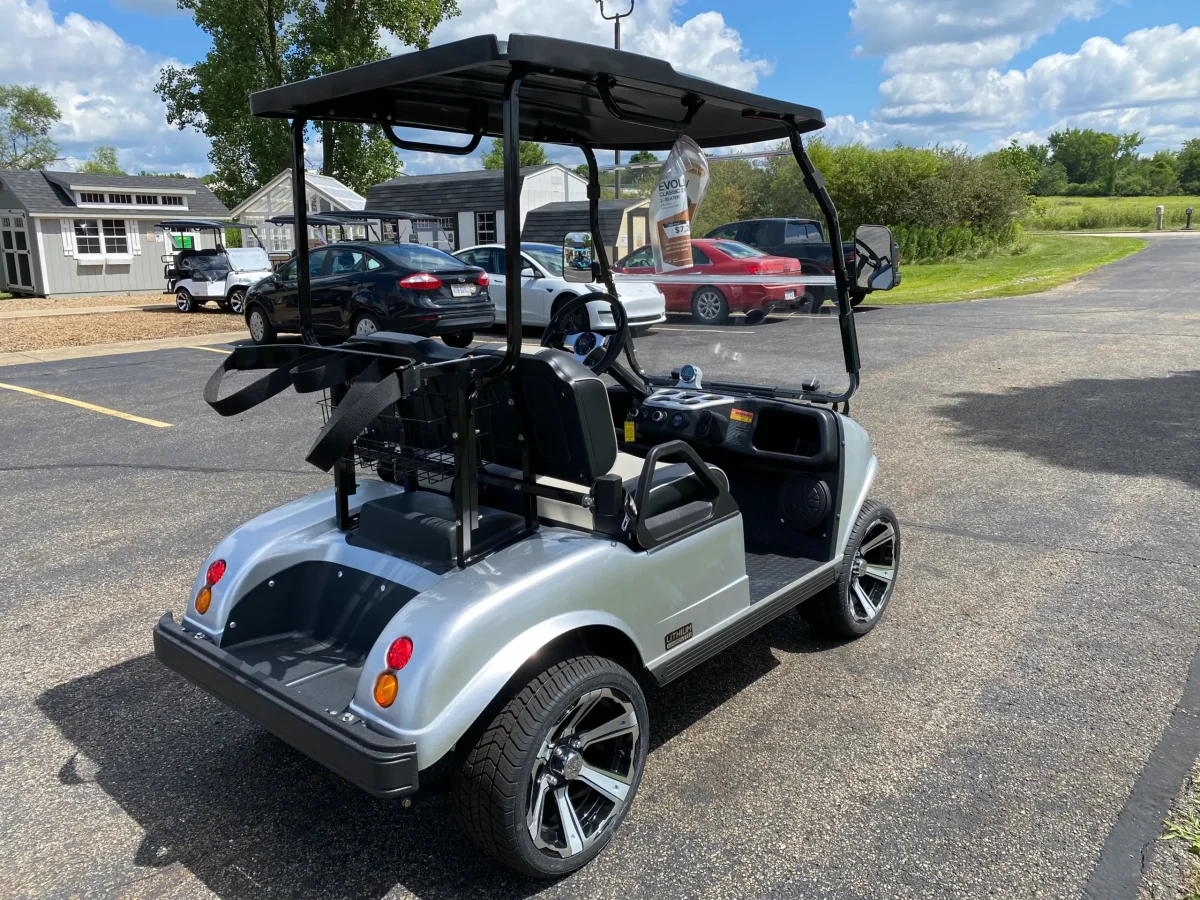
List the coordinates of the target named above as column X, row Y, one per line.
column 1107, row 213
column 1041, row 262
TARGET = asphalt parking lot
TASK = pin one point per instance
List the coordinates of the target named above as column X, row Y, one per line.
column 1014, row 728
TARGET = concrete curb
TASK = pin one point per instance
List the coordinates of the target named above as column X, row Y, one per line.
column 57, row 354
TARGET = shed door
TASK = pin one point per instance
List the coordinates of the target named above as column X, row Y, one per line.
column 14, row 242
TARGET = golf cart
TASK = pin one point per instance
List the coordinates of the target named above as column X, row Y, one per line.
column 196, row 275
column 398, row 227
column 516, row 542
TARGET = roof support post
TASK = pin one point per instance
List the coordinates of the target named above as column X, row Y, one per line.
column 512, row 221
column 300, row 229
column 815, row 182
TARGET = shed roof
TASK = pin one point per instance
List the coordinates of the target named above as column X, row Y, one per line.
column 50, row 193
column 448, row 192
column 548, row 224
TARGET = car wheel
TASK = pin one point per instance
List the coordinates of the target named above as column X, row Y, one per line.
column 184, row 302
column 553, row 775
column 814, row 302
column 458, row 339
column 236, row 302
column 709, row 307
column 365, row 325
column 640, row 331
column 857, row 601
column 259, row 323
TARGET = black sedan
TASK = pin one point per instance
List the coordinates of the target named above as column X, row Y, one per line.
column 368, row 287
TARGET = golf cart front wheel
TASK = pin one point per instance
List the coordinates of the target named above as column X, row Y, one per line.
column 857, row 601
column 184, row 301
column 551, row 778
column 236, row 301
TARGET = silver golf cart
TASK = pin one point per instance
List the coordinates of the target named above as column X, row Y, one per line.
column 196, row 275
column 518, row 543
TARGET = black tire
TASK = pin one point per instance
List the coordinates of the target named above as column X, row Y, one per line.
column 458, row 339
column 496, row 784
column 838, row 609
column 259, row 325
column 856, row 299
column 709, row 306
column 814, row 303
column 365, row 324
column 236, row 301
column 640, row 331
column 184, row 301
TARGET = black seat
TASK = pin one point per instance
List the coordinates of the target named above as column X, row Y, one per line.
column 419, row 526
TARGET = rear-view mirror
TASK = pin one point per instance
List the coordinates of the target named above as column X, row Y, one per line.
column 167, row 257
column 876, row 259
column 578, row 258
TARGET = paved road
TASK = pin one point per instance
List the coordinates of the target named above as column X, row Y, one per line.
column 987, row 740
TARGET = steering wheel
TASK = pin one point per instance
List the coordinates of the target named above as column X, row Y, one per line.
column 567, row 330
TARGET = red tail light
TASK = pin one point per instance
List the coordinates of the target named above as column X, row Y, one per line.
column 399, row 653
column 763, row 267
column 792, row 265
column 422, row 281
column 483, row 281
column 215, row 571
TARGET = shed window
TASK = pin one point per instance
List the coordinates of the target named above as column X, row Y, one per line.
column 169, row 200
column 123, row 199
column 87, row 197
column 116, row 241
column 87, row 237
column 147, row 200
column 485, row 228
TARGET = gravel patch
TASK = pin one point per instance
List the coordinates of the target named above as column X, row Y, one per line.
column 108, row 328
column 19, row 304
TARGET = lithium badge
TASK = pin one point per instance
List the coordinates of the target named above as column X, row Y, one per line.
column 740, row 415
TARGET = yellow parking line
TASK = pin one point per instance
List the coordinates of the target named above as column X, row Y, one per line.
column 100, row 409
column 210, row 349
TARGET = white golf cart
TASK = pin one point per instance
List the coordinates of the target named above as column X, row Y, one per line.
column 507, row 561
column 197, row 275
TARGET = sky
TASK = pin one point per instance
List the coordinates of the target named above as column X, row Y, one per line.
column 976, row 73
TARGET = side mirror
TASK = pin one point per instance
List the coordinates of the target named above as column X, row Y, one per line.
column 167, row 257
column 876, row 259
column 579, row 261
column 529, row 272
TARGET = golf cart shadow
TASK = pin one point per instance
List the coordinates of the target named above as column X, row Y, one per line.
column 252, row 818
column 1119, row 426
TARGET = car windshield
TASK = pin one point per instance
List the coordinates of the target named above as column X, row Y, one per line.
column 249, row 259
column 207, row 264
column 737, row 250
column 419, row 257
column 546, row 256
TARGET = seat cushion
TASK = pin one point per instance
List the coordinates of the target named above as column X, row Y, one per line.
column 419, row 525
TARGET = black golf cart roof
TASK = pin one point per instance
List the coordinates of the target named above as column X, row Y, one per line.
column 313, row 219
column 365, row 215
column 201, row 224
column 610, row 99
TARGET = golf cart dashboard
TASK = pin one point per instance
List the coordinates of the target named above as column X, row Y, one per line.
column 749, row 426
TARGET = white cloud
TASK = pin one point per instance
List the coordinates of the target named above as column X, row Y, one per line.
column 104, row 88
column 702, row 45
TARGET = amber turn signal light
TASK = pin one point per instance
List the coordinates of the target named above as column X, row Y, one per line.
column 203, row 599
column 386, row 688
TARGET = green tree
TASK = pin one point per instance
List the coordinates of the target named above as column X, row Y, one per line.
column 1187, row 166
column 26, row 116
column 1023, row 166
column 1094, row 158
column 258, row 44
column 1051, row 181
column 103, row 161
column 532, row 154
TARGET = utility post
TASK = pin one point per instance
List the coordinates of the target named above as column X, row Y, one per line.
column 616, row 18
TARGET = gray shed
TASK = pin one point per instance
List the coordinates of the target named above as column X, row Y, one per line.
column 67, row 233
column 624, row 224
column 470, row 205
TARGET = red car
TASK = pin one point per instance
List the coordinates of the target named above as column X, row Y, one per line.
column 712, row 304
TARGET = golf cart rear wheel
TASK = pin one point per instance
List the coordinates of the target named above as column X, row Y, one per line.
column 709, row 307
column 184, row 301
column 236, row 301
column 458, row 339
column 854, row 605
column 551, row 778
column 259, row 323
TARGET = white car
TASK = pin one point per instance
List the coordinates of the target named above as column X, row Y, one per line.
column 543, row 288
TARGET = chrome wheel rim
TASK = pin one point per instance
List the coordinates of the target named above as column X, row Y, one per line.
column 365, row 326
column 258, row 328
column 708, row 305
column 236, row 301
column 584, row 774
column 874, row 571
column 182, row 301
